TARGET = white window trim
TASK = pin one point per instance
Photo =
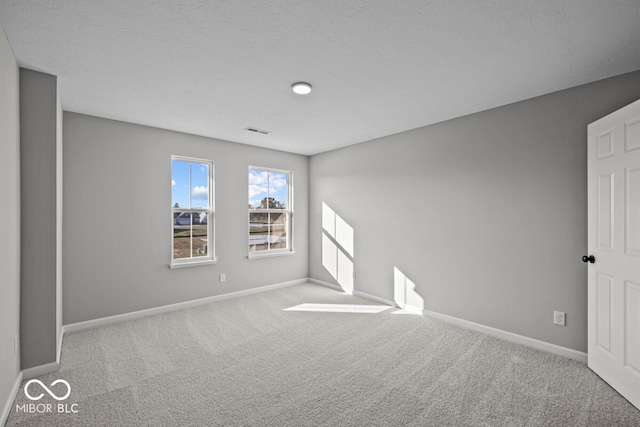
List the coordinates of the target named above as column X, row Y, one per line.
column 211, row 257
column 271, row 253
column 289, row 250
column 193, row 263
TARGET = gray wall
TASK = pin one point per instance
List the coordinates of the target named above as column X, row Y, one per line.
column 117, row 218
column 9, row 218
column 485, row 214
column 41, row 175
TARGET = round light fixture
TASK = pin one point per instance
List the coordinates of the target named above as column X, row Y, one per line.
column 301, row 88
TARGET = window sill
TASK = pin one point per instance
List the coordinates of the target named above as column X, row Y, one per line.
column 254, row 255
column 193, row 263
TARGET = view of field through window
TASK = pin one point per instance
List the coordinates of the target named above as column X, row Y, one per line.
column 191, row 208
column 268, row 210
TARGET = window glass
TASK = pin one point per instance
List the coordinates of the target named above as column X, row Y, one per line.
column 180, row 184
column 199, row 185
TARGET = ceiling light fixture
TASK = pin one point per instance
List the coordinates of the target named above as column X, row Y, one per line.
column 301, row 88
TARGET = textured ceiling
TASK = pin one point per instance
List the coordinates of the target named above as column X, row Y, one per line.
column 377, row 66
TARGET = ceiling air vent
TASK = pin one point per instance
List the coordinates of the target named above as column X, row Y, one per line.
column 256, row 130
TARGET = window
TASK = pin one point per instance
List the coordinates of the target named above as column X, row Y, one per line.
column 270, row 212
column 192, row 211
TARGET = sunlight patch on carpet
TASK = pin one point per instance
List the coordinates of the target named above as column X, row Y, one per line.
column 339, row 308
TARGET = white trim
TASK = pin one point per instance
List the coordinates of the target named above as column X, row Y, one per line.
column 269, row 169
column 192, row 263
column 488, row 330
column 12, row 397
column 269, row 254
column 510, row 336
column 327, row 284
column 80, row 326
column 374, row 298
column 47, row 368
column 356, row 293
column 36, row 371
column 59, row 349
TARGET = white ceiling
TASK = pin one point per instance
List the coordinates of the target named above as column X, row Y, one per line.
column 377, row 67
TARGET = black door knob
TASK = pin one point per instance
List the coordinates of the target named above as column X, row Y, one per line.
column 589, row 258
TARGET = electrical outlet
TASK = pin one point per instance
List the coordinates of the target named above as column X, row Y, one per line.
column 223, row 277
column 559, row 318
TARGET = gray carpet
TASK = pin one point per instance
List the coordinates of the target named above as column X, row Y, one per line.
column 249, row 362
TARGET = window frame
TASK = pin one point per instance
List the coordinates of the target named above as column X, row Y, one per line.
column 289, row 212
column 210, row 258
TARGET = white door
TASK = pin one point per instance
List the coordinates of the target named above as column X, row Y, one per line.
column 614, row 243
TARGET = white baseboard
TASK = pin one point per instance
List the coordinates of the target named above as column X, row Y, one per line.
column 36, row 371
column 374, row 298
column 510, row 336
column 326, row 284
column 488, row 330
column 47, row 368
column 80, row 326
column 12, row 397
column 27, row 374
column 354, row 292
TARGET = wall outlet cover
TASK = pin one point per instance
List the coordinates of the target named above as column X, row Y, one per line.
column 559, row 318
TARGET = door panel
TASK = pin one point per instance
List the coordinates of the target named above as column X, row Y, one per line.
column 605, row 211
column 605, row 145
column 632, row 330
column 632, row 134
column 632, row 219
column 603, row 313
